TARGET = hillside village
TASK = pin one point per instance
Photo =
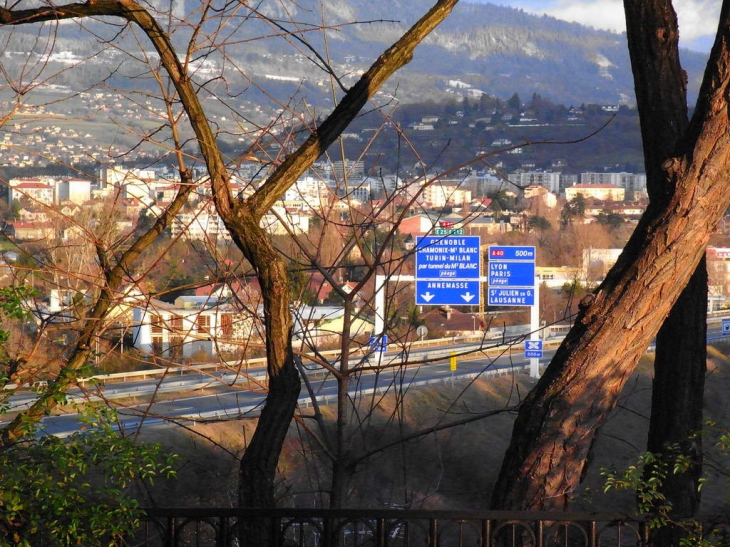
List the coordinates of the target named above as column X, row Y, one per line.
column 514, row 196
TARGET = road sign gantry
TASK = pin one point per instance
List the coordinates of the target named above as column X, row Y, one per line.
column 451, row 283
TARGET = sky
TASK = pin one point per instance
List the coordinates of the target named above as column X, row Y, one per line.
column 697, row 18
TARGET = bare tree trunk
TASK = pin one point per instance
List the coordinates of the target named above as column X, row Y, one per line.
column 558, row 420
column 681, row 355
column 341, row 462
column 259, row 461
column 258, row 466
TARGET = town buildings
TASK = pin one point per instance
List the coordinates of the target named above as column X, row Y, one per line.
column 601, row 192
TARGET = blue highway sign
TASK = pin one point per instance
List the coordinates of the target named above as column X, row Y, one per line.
column 379, row 344
column 448, row 257
column 511, row 276
column 438, row 292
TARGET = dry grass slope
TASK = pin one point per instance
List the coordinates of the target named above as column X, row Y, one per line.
column 452, row 468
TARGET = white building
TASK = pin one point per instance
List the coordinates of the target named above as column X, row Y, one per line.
column 40, row 191
column 283, row 221
column 356, row 189
column 602, row 192
column 555, row 277
column 597, row 262
column 440, row 194
column 75, row 190
column 308, row 194
column 348, row 169
column 628, row 181
column 542, row 195
column 546, row 179
column 190, row 325
column 385, row 183
column 201, row 224
column 131, row 183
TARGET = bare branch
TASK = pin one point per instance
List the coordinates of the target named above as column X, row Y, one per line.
column 395, row 57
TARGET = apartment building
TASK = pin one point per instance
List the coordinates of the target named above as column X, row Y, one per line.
column 602, row 192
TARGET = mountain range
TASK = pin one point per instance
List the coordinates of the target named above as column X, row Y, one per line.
column 479, row 48
column 494, row 49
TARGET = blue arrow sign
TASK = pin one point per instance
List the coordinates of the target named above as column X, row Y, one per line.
column 533, row 349
column 511, row 297
column 448, row 257
column 726, row 327
column 438, row 292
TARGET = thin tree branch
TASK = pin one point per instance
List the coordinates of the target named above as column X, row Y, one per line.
column 395, row 57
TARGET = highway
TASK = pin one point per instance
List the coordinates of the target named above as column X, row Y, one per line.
column 190, row 396
column 205, row 397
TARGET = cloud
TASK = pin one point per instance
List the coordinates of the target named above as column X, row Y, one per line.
column 697, row 18
column 603, row 14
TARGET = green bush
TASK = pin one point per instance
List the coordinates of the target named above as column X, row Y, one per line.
column 73, row 490
column 70, row 491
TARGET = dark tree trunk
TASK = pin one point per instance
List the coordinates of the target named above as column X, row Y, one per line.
column 677, row 401
column 259, row 461
column 558, row 420
column 681, row 355
column 678, row 389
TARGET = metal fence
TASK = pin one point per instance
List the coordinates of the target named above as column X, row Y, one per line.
column 391, row 528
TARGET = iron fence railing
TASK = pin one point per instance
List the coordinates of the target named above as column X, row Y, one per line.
column 396, row 528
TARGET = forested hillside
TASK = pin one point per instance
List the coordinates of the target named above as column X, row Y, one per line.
column 493, row 49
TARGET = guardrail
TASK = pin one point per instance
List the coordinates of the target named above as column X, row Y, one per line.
column 260, row 362
column 514, row 337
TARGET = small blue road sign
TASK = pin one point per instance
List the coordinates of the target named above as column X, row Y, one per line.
column 511, row 274
column 533, row 349
column 379, row 344
column 726, row 327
